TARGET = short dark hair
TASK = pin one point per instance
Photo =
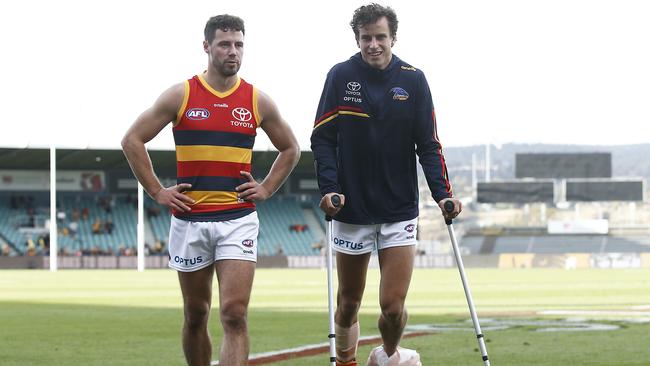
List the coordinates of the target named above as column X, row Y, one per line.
column 224, row 22
column 371, row 13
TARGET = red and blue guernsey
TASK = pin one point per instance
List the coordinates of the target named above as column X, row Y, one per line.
column 369, row 127
column 214, row 134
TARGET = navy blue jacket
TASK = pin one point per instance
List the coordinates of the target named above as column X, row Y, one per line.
column 369, row 126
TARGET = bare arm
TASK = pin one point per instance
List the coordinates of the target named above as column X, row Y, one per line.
column 283, row 139
column 146, row 127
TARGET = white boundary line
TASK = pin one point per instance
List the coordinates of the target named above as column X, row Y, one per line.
column 420, row 329
column 257, row 358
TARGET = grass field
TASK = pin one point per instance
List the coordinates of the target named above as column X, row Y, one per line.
column 121, row 317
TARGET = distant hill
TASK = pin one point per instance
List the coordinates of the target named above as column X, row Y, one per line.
column 627, row 160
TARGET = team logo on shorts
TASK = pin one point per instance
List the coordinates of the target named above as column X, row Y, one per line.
column 247, row 243
column 348, row 244
column 188, row 261
column 197, row 114
column 399, row 93
column 409, row 228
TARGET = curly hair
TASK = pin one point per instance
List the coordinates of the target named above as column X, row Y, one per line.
column 224, row 22
column 371, row 13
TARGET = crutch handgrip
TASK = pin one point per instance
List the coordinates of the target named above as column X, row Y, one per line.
column 336, row 202
column 449, row 207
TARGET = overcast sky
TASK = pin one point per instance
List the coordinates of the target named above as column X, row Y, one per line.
column 77, row 74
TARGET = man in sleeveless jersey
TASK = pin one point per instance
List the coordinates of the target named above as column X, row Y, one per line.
column 215, row 116
column 374, row 117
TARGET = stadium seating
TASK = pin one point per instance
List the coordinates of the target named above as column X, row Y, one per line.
column 315, row 202
column 9, row 231
column 12, row 220
column 159, row 223
column 123, row 215
column 557, row 244
column 471, row 244
column 277, row 215
column 283, row 230
column 569, row 244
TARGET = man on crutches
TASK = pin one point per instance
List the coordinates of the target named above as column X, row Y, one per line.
column 375, row 115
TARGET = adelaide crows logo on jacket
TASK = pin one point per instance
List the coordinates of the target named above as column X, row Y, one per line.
column 399, row 93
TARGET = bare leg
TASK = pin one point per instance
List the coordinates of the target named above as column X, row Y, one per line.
column 235, row 283
column 197, row 298
column 396, row 265
column 351, row 271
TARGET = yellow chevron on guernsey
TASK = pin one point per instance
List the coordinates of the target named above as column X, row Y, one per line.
column 354, row 113
column 339, row 113
column 213, row 197
column 410, row 68
column 213, row 153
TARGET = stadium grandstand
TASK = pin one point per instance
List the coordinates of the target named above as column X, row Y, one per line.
column 97, row 218
column 97, row 205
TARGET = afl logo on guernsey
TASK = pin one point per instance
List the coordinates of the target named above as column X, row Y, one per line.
column 242, row 114
column 399, row 93
column 247, row 243
column 197, row 114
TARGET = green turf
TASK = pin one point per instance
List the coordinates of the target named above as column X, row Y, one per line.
column 121, row 317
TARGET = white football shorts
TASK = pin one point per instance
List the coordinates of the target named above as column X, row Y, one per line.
column 361, row 239
column 196, row 245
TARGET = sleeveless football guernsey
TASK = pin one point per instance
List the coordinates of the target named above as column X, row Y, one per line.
column 214, row 134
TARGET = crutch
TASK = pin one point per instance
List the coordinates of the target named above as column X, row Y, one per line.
column 449, row 207
column 336, row 201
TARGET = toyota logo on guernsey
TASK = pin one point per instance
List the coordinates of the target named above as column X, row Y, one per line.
column 354, row 86
column 197, row 114
column 242, row 114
